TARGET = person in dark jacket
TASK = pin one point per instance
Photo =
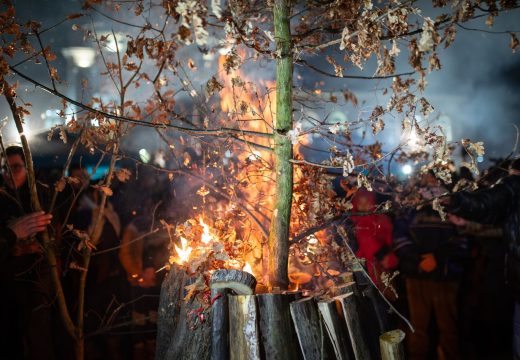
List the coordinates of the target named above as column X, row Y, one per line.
column 431, row 257
column 25, row 283
column 22, row 228
column 499, row 205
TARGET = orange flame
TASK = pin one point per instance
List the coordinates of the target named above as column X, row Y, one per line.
column 183, row 252
column 207, row 236
column 247, row 268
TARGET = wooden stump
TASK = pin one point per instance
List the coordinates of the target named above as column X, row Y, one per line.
column 278, row 337
column 391, row 344
column 243, row 328
column 220, row 324
column 357, row 338
column 169, row 309
column 223, row 282
column 310, row 329
column 336, row 330
column 175, row 338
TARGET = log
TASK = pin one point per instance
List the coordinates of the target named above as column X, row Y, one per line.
column 243, row 328
column 278, row 337
column 170, row 302
column 378, row 307
column 336, row 330
column 344, row 289
column 357, row 338
column 241, row 282
column 176, row 339
column 311, row 332
column 391, row 344
column 222, row 282
column 220, row 324
column 190, row 341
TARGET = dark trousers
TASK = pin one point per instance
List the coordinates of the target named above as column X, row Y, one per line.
column 427, row 298
column 26, row 316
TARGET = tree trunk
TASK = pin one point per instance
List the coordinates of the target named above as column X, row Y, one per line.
column 279, row 231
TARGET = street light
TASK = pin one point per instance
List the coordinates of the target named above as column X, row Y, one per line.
column 82, row 56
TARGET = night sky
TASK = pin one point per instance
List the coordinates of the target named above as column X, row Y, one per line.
column 477, row 87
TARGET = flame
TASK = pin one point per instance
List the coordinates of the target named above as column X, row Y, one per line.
column 206, row 234
column 247, row 268
column 183, row 252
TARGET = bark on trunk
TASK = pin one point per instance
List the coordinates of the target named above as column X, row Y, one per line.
column 279, row 340
column 279, row 231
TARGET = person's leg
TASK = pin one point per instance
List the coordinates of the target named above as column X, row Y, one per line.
column 419, row 303
column 516, row 331
column 446, row 314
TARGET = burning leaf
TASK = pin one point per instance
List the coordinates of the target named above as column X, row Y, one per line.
column 203, row 191
column 123, row 175
column 192, row 289
column 104, row 189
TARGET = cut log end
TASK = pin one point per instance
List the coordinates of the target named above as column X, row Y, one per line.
column 241, row 282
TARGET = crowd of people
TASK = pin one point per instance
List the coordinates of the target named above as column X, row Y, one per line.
column 459, row 278
column 459, row 271
column 122, row 286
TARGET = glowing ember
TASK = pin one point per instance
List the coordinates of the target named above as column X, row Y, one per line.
column 247, row 268
column 206, row 234
column 183, row 252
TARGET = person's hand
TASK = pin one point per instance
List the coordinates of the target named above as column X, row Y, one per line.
column 428, row 263
column 147, row 278
column 29, row 225
column 455, row 220
column 389, row 261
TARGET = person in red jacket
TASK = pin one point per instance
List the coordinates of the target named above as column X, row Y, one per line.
column 373, row 235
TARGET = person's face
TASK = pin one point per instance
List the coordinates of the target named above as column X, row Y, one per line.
column 364, row 204
column 18, row 169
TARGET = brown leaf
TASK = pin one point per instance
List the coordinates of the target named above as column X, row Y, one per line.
column 123, row 175
column 60, row 184
column 74, row 16
column 104, row 189
column 514, row 43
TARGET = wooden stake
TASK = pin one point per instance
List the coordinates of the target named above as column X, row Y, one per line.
column 310, row 329
column 278, row 337
column 391, row 344
column 243, row 328
column 351, row 315
column 336, row 329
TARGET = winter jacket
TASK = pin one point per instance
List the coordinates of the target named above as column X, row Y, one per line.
column 499, row 205
column 420, row 232
column 7, row 240
column 373, row 235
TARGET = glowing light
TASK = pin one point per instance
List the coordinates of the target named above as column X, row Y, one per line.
column 247, row 268
column 82, row 56
column 144, row 155
column 407, row 169
column 183, row 252
column 206, row 234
